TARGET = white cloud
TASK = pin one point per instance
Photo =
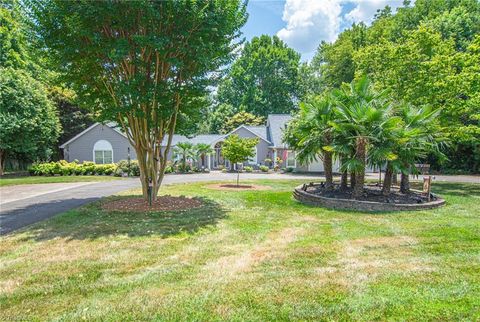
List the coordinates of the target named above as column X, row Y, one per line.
column 309, row 21
column 365, row 10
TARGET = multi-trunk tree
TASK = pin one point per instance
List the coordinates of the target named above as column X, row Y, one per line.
column 143, row 64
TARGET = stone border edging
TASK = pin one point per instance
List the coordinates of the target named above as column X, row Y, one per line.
column 348, row 204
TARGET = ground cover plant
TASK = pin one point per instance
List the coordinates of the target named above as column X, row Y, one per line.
column 247, row 255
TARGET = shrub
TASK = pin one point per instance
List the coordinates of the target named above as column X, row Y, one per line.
column 248, row 169
column 289, row 169
column 263, row 168
column 224, row 170
column 123, row 167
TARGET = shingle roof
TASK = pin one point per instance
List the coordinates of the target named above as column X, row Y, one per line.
column 260, row 131
column 202, row 138
column 277, row 124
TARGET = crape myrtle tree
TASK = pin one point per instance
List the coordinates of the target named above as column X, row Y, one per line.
column 238, row 150
column 143, row 64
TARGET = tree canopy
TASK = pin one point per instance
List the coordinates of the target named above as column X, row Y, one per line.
column 263, row 79
column 425, row 54
column 28, row 121
column 144, row 64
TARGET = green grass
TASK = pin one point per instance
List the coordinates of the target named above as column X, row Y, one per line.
column 254, row 256
column 60, row 179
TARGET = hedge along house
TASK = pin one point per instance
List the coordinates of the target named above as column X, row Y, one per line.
column 106, row 143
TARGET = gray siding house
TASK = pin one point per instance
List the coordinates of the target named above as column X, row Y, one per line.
column 106, row 143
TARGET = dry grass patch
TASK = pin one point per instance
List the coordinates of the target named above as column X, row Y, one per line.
column 245, row 260
column 360, row 261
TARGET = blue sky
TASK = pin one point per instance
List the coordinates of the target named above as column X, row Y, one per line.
column 303, row 24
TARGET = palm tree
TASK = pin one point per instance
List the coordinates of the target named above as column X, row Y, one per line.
column 186, row 151
column 419, row 135
column 310, row 133
column 202, row 150
column 365, row 116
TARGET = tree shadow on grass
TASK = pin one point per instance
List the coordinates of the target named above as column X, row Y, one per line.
column 92, row 222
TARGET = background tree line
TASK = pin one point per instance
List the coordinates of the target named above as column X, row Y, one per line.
column 427, row 53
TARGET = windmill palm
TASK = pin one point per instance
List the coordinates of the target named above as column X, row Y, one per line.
column 310, row 133
column 365, row 116
column 419, row 136
column 184, row 150
column 202, row 150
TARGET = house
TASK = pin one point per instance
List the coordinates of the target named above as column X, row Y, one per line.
column 106, row 143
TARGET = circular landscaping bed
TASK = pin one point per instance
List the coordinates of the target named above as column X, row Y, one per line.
column 234, row 187
column 163, row 203
column 371, row 200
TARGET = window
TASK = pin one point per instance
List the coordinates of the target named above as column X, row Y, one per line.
column 291, row 161
column 102, row 152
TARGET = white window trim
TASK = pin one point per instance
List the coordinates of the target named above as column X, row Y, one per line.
column 102, row 145
column 294, row 160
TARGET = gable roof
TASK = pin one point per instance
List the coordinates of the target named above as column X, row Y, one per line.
column 111, row 125
column 277, row 123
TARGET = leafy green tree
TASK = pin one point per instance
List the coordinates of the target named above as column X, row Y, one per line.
column 143, row 64
column 28, row 122
column 238, row 150
column 241, row 118
column 73, row 119
column 334, row 62
column 202, row 150
column 264, row 79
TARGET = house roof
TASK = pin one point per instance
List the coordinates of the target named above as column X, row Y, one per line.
column 277, row 123
column 260, row 131
column 202, row 138
column 272, row 133
column 111, row 125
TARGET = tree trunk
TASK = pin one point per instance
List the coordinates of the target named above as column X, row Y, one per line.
column 2, row 161
column 352, row 179
column 394, row 179
column 328, row 166
column 344, row 180
column 238, row 176
column 405, row 183
column 387, row 180
column 360, row 149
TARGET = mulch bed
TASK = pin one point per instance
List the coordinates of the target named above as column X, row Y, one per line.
column 163, row 203
column 372, row 193
column 234, row 187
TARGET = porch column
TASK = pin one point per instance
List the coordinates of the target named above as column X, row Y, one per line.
column 208, row 158
column 274, row 157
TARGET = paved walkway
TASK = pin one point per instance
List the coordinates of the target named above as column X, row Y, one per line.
column 23, row 205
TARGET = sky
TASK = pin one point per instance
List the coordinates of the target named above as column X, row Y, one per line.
column 303, row 24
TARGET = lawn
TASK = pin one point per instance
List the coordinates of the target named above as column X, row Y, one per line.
column 59, row 179
column 256, row 256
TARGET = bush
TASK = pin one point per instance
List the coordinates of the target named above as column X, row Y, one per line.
column 263, row 168
column 224, row 170
column 64, row 168
column 248, row 169
column 289, row 169
column 129, row 169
